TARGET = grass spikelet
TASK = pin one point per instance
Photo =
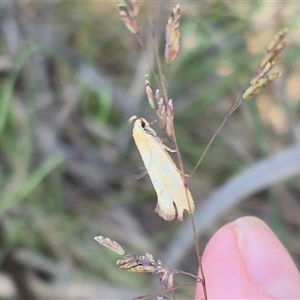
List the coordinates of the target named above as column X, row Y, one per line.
column 128, row 10
column 172, row 36
column 263, row 79
column 111, row 245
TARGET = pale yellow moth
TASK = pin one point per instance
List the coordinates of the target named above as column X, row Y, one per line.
column 166, row 178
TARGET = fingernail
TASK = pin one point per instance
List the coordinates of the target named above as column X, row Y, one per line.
column 267, row 261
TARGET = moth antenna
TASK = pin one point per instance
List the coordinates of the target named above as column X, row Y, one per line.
column 141, row 175
column 130, row 120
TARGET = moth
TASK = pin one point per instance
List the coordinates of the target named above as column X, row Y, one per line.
column 167, row 180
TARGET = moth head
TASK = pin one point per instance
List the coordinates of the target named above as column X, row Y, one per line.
column 146, row 126
column 143, row 123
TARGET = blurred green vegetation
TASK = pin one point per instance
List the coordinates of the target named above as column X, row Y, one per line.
column 71, row 76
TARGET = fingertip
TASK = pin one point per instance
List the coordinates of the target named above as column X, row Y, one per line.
column 241, row 261
column 266, row 259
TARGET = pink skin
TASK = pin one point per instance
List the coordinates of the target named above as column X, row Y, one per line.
column 245, row 260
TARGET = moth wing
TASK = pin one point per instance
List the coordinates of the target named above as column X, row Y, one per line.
column 164, row 175
column 170, row 191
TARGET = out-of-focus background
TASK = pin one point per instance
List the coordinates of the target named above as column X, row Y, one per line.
column 71, row 76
